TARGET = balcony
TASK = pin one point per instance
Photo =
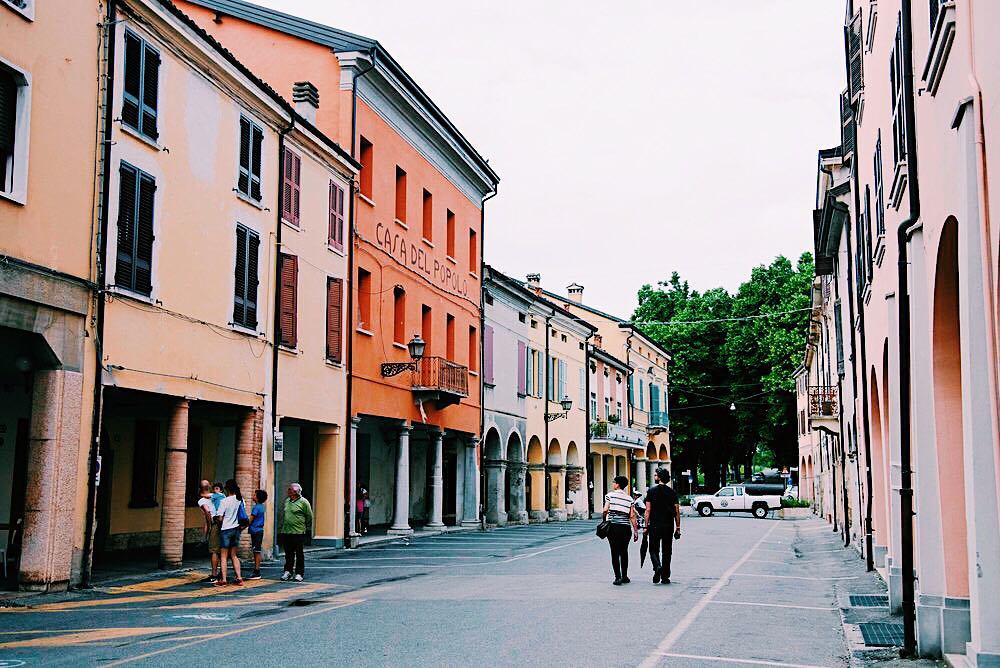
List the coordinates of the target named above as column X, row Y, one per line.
column 658, row 421
column 440, row 380
column 824, row 409
column 616, row 435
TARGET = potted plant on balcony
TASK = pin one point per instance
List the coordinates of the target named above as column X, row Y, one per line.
column 614, row 419
column 599, row 428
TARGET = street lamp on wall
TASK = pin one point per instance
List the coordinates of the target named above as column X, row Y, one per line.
column 566, row 404
column 416, row 349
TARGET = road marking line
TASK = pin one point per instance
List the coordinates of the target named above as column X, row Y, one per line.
column 777, row 605
column 339, row 559
column 92, row 636
column 770, row 561
column 334, row 568
column 727, row 659
column 549, row 549
column 795, row 577
column 441, row 549
column 266, row 597
column 693, row 613
column 163, row 583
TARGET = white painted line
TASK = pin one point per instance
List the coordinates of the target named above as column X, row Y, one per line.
column 769, row 561
column 339, row 559
column 411, row 548
column 685, row 623
column 549, row 549
column 725, row 659
column 795, row 577
column 777, row 605
column 340, row 568
column 836, row 549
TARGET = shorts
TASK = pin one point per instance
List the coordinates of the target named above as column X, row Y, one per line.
column 214, row 539
column 256, row 539
column 230, row 537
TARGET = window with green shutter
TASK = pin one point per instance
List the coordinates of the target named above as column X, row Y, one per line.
column 140, row 89
column 136, row 200
column 246, row 278
column 251, row 140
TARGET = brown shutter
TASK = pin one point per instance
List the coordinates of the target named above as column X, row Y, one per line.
column 334, row 319
column 288, row 334
column 125, row 259
column 336, row 231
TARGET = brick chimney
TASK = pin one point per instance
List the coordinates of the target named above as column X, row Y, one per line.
column 575, row 291
column 535, row 283
column 305, row 97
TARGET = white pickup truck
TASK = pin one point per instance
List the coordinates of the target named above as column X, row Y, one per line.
column 734, row 499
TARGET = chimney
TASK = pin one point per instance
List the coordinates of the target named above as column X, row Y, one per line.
column 575, row 292
column 305, row 97
column 598, row 341
column 535, row 283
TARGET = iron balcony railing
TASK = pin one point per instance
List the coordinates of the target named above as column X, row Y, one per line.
column 823, row 401
column 607, row 432
column 441, row 375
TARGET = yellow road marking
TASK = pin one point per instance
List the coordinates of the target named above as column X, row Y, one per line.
column 156, row 585
column 86, row 637
column 266, row 597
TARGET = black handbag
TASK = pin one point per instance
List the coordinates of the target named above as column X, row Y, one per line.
column 603, row 529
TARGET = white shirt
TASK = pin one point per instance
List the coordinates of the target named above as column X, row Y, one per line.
column 229, row 509
column 205, row 503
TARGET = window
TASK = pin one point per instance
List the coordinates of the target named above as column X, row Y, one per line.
column 291, row 182
column 521, row 317
column 562, row 337
column 739, row 491
column 607, row 407
column 142, row 70
column 879, row 200
column 334, row 320
column 488, row 355
column 145, row 456
column 631, row 391
column 366, row 152
column 473, row 350
column 287, row 300
column 426, row 326
column 562, row 380
column 726, row 491
column 399, row 315
column 550, row 385
column 654, row 398
column 529, row 387
column 897, row 99
column 335, row 233
column 473, row 253
column 522, row 369
column 449, row 337
column 134, row 265
column 450, row 245
column 192, row 476
column 853, row 39
column 642, row 397
column 935, row 9
column 619, row 411
column 246, row 278
column 400, row 195
column 428, row 229
column 15, row 97
column 593, row 405
column 251, row 139
column 364, row 300
column 540, row 371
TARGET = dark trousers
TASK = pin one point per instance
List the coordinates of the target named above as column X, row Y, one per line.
column 618, row 538
column 661, row 542
column 294, row 556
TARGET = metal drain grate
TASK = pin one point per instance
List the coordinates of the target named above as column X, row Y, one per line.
column 866, row 601
column 880, row 634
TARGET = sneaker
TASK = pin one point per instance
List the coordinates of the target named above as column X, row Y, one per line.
column 656, row 577
column 617, row 582
column 666, row 581
column 298, row 578
column 286, row 576
column 254, row 576
column 220, row 583
column 211, row 579
column 625, row 579
column 238, row 582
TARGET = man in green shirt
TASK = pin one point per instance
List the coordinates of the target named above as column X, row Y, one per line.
column 296, row 524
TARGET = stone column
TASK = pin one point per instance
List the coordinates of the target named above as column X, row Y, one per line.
column 470, row 512
column 557, row 490
column 174, row 474
column 537, row 512
column 401, row 514
column 47, row 552
column 517, row 513
column 496, row 513
column 246, row 475
column 895, row 465
column 579, row 496
column 437, row 480
column 353, row 537
column 641, row 474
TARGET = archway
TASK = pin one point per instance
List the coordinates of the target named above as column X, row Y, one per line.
column 811, row 491
column 946, row 352
column 578, row 496
column 535, row 480
column 664, row 455
column 555, row 481
column 803, row 479
column 495, row 473
column 514, row 480
column 878, row 492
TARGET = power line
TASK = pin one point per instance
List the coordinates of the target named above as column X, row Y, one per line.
column 640, row 323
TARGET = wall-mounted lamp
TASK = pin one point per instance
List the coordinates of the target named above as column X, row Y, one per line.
column 416, row 349
column 566, row 405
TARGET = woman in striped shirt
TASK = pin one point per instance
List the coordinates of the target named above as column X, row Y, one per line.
column 618, row 510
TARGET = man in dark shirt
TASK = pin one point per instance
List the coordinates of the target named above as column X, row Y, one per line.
column 663, row 512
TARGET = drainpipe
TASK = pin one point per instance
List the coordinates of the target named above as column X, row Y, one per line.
column 548, row 382
column 102, row 254
column 350, row 491
column 902, row 241
column 588, row 466
column 854, row 375
column 482, row 357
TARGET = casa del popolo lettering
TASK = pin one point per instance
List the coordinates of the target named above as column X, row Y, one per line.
column 437, row 269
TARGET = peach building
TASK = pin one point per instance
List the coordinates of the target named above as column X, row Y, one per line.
column 919, row 141
column 416, row 212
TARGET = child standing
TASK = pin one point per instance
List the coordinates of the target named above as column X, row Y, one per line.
column 257, row 529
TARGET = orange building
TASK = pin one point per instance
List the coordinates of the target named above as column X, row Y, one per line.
column 416, row 215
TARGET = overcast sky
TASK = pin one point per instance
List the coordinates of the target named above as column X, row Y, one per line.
column 634, row 138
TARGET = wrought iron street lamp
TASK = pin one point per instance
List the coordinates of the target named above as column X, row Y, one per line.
column 566, row 405
column 416, row 349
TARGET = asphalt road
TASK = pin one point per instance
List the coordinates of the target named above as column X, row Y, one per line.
column 744, row 592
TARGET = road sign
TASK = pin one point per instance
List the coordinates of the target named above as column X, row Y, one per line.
column 279, row 446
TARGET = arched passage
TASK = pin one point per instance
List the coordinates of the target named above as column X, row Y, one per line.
column 572, row 455
column 879, row 514
column 514, row 480
column 535, row 480
column 946, row 351
column 495, row 473
column 555, row 490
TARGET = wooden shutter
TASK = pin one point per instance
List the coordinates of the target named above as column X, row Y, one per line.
column 290, row 199
column 240, row 277
column 522, row 370
column 253, row 279
column 150, row 88
column 243, row 184
column 562, row 380
column 125, row 259
column 144, row 235
column 256, row 140
column 488, row 354
column 335, row 235
column 540, row 366
column 847, row 128
column 287, row 306
column 334, row 319
column 132, row 89
column 853, row 39
column 286, row 187
column 654, row 398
